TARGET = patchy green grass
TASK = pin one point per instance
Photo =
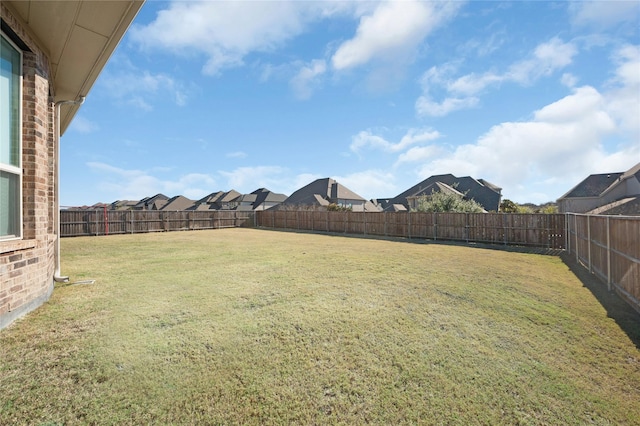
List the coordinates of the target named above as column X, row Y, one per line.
column 245, row 326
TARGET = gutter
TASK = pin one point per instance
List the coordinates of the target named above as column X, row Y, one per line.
column 56, row 214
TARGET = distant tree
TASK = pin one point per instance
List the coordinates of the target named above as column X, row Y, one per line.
column 549, row 209
column 443, row 202
column 524, row 209
column 334, row 207
column 508, row 206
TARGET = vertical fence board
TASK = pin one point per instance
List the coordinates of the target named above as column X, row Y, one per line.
column 537, row 230
column 74, row 223
column 613, row 256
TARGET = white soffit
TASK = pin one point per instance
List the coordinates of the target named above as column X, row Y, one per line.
column 78, row 37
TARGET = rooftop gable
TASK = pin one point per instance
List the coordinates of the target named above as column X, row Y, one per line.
column 177, row 203
column 325, row 189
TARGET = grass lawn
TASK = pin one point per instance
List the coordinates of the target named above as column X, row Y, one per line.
column 244, row 326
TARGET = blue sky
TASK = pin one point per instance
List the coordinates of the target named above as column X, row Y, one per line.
column 219, row 95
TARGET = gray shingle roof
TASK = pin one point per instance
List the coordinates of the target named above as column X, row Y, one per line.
column 177, row 203
column 593, row 185
column 322, row 192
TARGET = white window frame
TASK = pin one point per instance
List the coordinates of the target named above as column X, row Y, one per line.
column 8, row 168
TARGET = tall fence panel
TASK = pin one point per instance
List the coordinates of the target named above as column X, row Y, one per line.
column 537, row 230
column 609, row 246
column 75, row 223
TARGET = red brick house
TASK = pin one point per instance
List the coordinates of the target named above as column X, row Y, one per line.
column 51, row 54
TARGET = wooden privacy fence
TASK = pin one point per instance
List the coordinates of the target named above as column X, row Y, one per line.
column 610, row 247
column 537, row 230
column 74, row 223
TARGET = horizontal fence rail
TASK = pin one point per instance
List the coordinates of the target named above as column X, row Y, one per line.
column 535, row 230
column 609, row 246
column 75, row 223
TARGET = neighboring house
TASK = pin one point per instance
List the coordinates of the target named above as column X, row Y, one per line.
column 606, row 193
column 123, row 205
column 322, row 192
column 266, row 199
column 484, row 193
column 414, row 200
column 97, row 206
column 220, row 200
column 151, row 203
column 51, row 54
column 260, row 199
column 228, row 200
column 178, row 203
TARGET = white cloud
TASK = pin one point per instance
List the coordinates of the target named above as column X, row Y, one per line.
column 369, row 184
column 81, row 124
column 588, row 131
column 237, row 154
column 141, row 88
column 226, row 31
column 307, row 78
column 392, row 31
column 603, row 14
column 472, row 84
column 564, row 140
column 569, row 80
column 418, row 154
column 123, row 184
column 247, row 179
column 413, row 136
column 546, row 59
column 427, row 107
column 462, row 92
column 623, row 98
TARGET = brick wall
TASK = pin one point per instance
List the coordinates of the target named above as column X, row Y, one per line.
column 27, row 266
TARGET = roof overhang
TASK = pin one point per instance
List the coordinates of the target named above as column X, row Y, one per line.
column 78, row 37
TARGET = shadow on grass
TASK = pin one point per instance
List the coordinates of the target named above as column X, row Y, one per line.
column 617, row 308
column 417, row 240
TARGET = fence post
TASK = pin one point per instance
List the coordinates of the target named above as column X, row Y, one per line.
column 589, row 242
column 364, row 219
column 435, row 226
column 608, row 255
column 346, row 221
column 409, row 226
column 575, row 221
column 504, row 228
column 567, row 231
column 385, row 223
column 466, row 226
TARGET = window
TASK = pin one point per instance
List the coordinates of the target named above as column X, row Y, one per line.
column 10, row 140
